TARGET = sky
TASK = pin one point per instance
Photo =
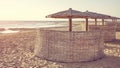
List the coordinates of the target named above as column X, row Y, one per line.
column 37, row 9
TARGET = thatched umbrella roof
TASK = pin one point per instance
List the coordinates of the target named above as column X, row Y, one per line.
column 97, row 15
column 67, row 13
column 115, row 17
column 70, row 13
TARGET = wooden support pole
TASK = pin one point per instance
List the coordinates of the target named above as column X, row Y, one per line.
column 70, row 24
column 102, row 21
column 112, row 20
column 116, row 20
column 95, row 21
column 86, row 24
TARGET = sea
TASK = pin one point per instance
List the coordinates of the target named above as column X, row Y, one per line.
column 30, row 24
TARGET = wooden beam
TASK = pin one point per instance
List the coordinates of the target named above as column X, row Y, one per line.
column 86, row 24
column 70, row 24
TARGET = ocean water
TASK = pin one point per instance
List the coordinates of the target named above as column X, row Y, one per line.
column 31, row 24
column 35, row 24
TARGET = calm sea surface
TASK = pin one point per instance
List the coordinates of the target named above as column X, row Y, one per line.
column 35, row 24
column 32, row 24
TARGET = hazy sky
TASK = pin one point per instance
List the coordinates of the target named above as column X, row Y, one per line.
column 38, row 9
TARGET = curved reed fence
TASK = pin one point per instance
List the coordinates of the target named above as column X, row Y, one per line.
column 114, row 23
column 109, row 31
column 64, row 46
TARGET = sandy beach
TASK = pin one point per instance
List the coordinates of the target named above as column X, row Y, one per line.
column 59, row 34
column 17, row 51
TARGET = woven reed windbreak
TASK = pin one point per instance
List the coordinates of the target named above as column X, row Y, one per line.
column 109, row 31
column 64, row 46
column 114, row 23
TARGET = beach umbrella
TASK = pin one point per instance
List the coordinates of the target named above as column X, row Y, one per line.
column 92, row 15
column 103, row 17
column 68, row 14
column 114, row 18
column 96, row 16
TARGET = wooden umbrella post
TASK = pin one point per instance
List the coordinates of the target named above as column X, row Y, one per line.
column 112, row 20
column 95, row 21
column 70, row 24
column 116, row 20
column 86, row 24
column 102, row 21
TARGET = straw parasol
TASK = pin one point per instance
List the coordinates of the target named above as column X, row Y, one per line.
column 68, row 14
column 114, row 18
column 96, row 16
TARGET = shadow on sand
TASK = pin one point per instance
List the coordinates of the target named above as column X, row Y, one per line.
column 114, row 42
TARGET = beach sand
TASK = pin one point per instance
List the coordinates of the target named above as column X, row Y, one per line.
column 17, row 51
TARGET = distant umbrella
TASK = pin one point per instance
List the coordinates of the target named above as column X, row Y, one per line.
column 114, row 19
column 68, row 14
column 96, row 16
